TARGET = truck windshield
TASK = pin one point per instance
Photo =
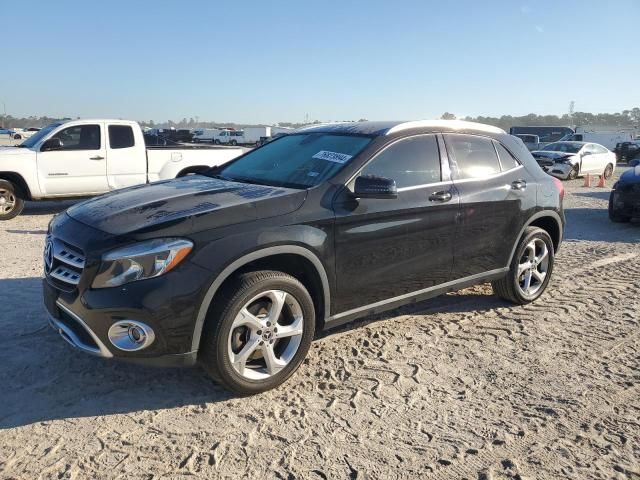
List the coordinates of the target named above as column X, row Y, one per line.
column 296, row 161
column 35, row 138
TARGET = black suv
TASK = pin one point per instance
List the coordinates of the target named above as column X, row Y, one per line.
column 239, row 267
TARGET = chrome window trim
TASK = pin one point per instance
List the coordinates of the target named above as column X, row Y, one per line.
column 349, row 182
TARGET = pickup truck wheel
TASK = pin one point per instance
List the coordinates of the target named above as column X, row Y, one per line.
column 530, row 270
column 257, row 338
column 11, row 204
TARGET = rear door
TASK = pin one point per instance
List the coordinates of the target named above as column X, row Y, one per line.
column 80, row 167
column 494, row 191
column 127, row 161
column 393, row 247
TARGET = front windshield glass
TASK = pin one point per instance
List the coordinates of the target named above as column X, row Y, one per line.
column 36, row 137
column 567, row 147
column 296, row 161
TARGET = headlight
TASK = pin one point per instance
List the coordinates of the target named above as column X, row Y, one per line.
column 140, row 261
column 566, row 160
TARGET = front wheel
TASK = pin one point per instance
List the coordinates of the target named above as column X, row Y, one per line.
column 233, row 142
column 530, row 270
column 11, row 202
column 573, row 174
column 256, row 339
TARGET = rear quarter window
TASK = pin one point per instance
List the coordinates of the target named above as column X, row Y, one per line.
column 507, row 161
column 473, row 156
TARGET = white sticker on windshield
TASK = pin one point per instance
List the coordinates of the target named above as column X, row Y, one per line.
column 313, row 174
column 332, row 156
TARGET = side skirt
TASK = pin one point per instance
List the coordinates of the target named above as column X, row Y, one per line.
column 413, row 297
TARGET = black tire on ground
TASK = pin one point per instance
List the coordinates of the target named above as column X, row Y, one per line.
column 573, row 174
column 10, row 195
column 214, row 346
column 17, row 136
column 615, row 216
column 216, row 142
column 196, row 140
column 507, row 287
column 608, row 171
column 233, row 142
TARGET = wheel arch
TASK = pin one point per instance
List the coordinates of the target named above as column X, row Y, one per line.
column 19, row 181
column 549, row 221
column 192, row 169
column 286, row 258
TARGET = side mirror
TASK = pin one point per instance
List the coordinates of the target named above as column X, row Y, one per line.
column 634, row 163
column 370, row 186
column 51, row 144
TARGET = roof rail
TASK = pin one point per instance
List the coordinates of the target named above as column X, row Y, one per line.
column 453, row 124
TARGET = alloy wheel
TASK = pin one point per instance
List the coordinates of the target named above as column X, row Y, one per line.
column 7, row 201
column 265, row 334
column 533, row 267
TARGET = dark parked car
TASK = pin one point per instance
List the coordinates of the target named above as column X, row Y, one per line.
column 159, row 141
column 624, row 201
column 627, row 151
column 239, row 267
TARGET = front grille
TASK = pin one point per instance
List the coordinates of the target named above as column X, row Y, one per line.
column 63, row 263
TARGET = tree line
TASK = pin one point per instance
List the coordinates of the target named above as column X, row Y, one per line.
column 625, row 119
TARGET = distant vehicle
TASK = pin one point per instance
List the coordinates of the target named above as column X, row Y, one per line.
column 546, row 134
column 206, row 135
column 569, row 160
column 252, row 135
column 606, row 139
column 230, row 137
column 84, row 158
column 532, row 142
column 627, row 151
column 624, row 200
column 23, row 133
column 7, row 131
column 159, row 141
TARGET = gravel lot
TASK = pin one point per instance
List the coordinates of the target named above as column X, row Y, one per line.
column 463, row 386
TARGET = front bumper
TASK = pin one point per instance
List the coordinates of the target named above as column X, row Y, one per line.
column 625, row 200
column 559, row 170
column 168, row 304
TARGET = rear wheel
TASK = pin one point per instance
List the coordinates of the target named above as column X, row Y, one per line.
column 233, row 142
column 614, row 215
column 257, row 338
column 11, row 202
column 530, row 270
column 608, row 171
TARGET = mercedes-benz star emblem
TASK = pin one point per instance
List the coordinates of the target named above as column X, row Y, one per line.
column 48, row 256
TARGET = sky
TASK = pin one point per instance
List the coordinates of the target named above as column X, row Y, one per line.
column 287, row 61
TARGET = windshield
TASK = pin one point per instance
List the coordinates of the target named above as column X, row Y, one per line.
column 568, row 147
column 36, row 137
column 296, row 161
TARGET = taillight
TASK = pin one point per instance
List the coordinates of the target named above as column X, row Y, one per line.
column 559, row 186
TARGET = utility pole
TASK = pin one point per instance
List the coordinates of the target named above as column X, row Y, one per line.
column 572, row 107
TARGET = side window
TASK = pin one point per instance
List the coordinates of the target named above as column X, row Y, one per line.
column 474, row 157
column 121, row 136
column 599, row 149
column 410, row 162
column 81, row 137
column 507, row 161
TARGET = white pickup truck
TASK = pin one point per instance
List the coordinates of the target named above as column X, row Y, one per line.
column 82, row 158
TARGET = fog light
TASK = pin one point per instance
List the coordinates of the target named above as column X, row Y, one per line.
column 131, row 335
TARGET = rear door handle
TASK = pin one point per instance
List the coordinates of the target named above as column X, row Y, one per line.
column 519, row 185
column 97, row 157
column 443, row 196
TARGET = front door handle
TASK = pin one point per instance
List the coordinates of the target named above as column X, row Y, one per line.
column 97, row 157
column 519, row 185
column 443, row 196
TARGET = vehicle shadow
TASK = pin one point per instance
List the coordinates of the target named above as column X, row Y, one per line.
column 48, row 207
column 44, row 379
column 594, row 224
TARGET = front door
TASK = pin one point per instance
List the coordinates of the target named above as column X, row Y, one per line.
column 392, row 247
column 80, row 167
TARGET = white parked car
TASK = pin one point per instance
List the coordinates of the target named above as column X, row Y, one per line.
column 23, row 133
column 569, row 160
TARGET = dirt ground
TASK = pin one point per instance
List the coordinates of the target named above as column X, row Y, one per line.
column 463, row 386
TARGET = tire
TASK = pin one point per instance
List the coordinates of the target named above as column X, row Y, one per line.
column 615, row 216
column 11, row 200
column 195, row 140
column 233, row 142
column 228, row 333
column 17, row 136
column 216, row 142
column 608, row 171
column 509, row 288
column 573, row 174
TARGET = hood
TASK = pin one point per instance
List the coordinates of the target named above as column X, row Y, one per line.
column 631, row 176
column 14, row 151
column 551, row 155
column 214, row 203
